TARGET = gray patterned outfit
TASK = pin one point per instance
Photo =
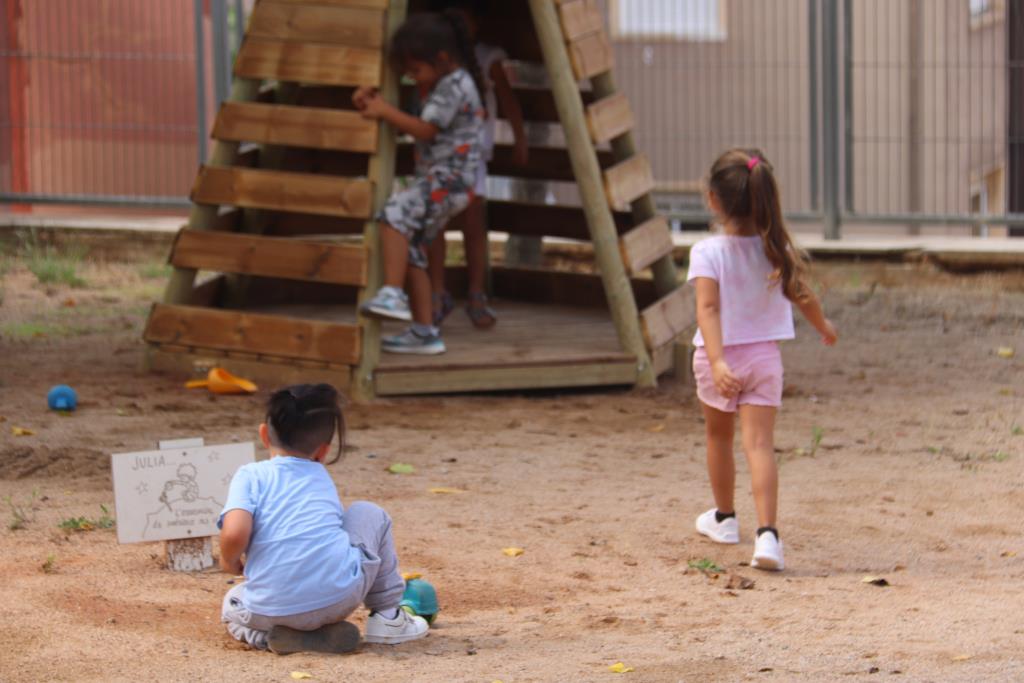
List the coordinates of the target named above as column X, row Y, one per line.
column 446, row 167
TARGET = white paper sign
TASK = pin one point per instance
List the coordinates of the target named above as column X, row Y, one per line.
column 179, row 493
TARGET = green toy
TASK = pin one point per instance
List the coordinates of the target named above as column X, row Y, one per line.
column 420, row 598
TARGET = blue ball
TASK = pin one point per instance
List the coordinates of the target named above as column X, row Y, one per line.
column 62, row 397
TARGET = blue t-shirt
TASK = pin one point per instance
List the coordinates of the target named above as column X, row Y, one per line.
column 299, row 558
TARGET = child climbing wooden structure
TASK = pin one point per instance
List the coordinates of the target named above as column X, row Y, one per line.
column 283, row 209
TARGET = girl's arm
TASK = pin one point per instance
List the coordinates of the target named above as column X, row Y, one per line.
column 235, row 532
column 709, row 319
column 376, row 107
column 509, row 104
column 811, row 309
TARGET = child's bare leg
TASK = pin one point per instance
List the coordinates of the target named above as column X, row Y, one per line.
column 436, row 256
column 719, row 427
column 758, row 426
column 419, row 296
column 395, row 249
column 474, row 232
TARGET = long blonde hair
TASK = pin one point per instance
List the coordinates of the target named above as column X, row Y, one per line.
column 743, row 181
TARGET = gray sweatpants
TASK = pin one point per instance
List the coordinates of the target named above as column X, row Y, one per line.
column 369, row 529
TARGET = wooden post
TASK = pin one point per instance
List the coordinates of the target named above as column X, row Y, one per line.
column 591, row 185
column 202, row 217
column 382, row 172
column 624, row 147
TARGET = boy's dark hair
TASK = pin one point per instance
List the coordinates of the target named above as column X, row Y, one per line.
column 304, row 417
column 425, row 35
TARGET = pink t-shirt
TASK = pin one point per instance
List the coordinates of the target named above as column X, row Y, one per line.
column 753, row 307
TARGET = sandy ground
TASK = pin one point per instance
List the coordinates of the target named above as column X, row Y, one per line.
column 918, row 478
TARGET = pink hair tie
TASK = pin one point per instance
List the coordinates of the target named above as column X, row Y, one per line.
column 754, row 161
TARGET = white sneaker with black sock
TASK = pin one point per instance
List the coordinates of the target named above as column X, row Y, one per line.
column 768, row 553
column 726, row 531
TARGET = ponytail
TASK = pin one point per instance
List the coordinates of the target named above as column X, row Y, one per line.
column 466, row 50
column 744, row 183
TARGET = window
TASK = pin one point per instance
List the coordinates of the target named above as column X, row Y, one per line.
column 696, row 20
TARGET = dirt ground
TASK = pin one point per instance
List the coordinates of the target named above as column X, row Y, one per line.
column 902, row 457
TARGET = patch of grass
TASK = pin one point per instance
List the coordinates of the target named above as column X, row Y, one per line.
column 817, row 434
column 104, row 521
column 50, row 566
column 21, row 514
column 155, row 271
column 51, row 266
column 1017, row 430
column 705, row 565
column 1000, row 456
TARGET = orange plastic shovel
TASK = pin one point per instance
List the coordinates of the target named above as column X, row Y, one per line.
column 220, row 381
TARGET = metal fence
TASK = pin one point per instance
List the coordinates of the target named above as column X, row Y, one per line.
column 903, row 112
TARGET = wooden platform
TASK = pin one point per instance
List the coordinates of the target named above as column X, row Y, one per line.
column 532, row 346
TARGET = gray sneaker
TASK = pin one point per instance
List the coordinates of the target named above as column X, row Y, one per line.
column 411, row 342
column 389, row 302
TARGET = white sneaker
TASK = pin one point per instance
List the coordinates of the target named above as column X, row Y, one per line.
column 402, row 628
column 768, row 553
column 726, row 531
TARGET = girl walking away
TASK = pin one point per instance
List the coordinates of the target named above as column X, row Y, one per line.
column 435, row 51
column 746, row 280
column 473, row 220
column 309, row 563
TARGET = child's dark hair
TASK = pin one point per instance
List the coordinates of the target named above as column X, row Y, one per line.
column 743, row 181
column 425, row 35
column 304, row 417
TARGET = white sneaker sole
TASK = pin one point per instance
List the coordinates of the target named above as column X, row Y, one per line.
column 393, row 640
column 386, row 313
column 768, row 564
column 415, row 350
column 724, row 540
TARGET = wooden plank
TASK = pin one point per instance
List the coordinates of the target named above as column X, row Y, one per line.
column 591, row 55
column 279, row 124
column 668, row 317
column 628, row 180
column 394, row 382
column 303, row 23
column 283, row 191
column 267, row 334
column 579, row 18
column 271, row 257
column 545, row 220
column 609, row 118
column 269, row 372
column 645, row 244
column 372, row 4
column 545, row 286
column 308, row 63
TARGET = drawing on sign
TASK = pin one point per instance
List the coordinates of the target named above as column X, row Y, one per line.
column 169, row 494
column 180, row 503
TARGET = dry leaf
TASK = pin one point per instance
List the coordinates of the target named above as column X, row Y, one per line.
column 620, row 668
column 445, row 489
column 962, row 658
column 658, row 428
column 1005, row 352
column 301, row 675
column 21, row 431
column 409, row 576
column 875, row 580
column 513, row 552
column 401, row 468
column 1008, row 553
column 739, row 582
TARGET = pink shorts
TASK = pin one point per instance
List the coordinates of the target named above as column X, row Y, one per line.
column 758, row 367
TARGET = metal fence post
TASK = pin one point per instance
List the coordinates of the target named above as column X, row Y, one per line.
column 813, row 117
column 200, row 38
column 830, row 118
column 221, row 50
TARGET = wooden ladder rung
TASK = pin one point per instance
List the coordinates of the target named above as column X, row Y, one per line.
column 645, row 244
column 579, row 18
column 253, row 333
column 343, row 264
column 628, row 180
column 283, row 191
column 313, row 127
column 668, row 317
column 310, row 23
column 309, row 63
column 591, row 55
column 609, row 118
